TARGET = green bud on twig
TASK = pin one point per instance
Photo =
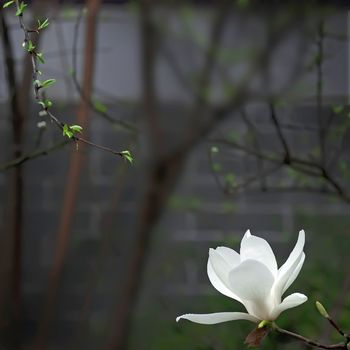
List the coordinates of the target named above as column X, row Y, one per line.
column 127, row 156
column 321, row 309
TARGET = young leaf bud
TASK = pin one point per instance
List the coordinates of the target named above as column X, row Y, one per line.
column 321, row 309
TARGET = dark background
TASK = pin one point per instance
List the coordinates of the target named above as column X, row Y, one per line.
column 237, row 117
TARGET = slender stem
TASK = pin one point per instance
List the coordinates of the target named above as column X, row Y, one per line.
column 35, row 154
column 39, row 96
column 309, row 341
column 337, row 328
column 319, row 88
column 280, row 133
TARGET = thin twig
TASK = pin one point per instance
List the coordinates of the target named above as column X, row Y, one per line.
column 309, row 341
column 39, row 96
column 283, row 140
column 301, row 165
column 319, row 88
column 33, row 155
column 259, row 162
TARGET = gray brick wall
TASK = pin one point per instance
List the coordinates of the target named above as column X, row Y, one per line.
column 198, row 215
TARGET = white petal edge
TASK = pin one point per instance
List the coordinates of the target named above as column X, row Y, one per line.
column 220, row 266
column 298, row 248
column 231, row 256
column 218, row 284
column 257, row 248
column 295, row 273
column 291, row 264
column 289, row 302
column 218, row 317
column 251, row 280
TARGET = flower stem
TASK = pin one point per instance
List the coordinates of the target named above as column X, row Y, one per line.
column 309, row 341
column 339, row 330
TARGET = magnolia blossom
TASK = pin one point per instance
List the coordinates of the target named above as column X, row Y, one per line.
column 253, row 278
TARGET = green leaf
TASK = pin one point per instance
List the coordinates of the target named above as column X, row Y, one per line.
column 47, row 83
column 30, row 46
column 40, row 57
column 71, row 72
column 8, row 3
column 76, row 128
column 230, row 179
column 67, row 131
column 343, row 168
column 243, row 3
column 20, row 9
column 100, row 107
column 337, row 109
column 127, row 156
column 234, row 136
column 44, row 24
column 216, row 167
column 45, row 103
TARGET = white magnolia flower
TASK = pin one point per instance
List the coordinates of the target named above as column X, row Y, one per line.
column 253, row 278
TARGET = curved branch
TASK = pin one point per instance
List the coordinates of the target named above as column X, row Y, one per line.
column 309, row 341
column 39, row 96
column 29, row 156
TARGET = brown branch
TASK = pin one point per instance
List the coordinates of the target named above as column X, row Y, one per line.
column 16, row 185
column 33, row 155
column 337, row 328
column 301, row 165
column 294, row 189
column 73, row 179
column 319, row 87
column 201, row 87
column 164, row 174
column 339, row 304
column 104, row 248
column 104, row 114
column 309, row 341
column 287, row 156
column 259, row 162
column 38, row 90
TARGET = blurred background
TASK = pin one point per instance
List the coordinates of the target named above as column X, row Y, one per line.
column 237, row 115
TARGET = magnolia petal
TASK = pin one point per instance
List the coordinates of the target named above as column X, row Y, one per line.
column 218, row 284
column 297, row 250
column 286, row 270
column 231, row 256
column 217, row 317
column 251, row 280
column 294, row 274
column 282, row 279
column 289, row 302
column 220, row 266
column 256, row 248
